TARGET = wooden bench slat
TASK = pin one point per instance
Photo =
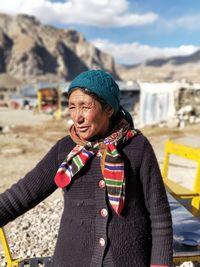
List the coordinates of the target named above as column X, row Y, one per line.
column 177, row 189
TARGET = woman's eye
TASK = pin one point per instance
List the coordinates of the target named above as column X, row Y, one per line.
column 71, row 107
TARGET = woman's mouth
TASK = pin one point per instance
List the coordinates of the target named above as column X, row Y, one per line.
column 82, row 129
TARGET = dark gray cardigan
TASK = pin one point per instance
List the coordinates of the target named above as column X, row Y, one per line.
column 88, row 236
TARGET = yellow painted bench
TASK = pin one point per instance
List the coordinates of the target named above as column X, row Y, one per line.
column 174, row 188
column 9, row 260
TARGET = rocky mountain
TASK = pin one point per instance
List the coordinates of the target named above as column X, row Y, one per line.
column 30, row 51
column 178, row 60
column 164, row 69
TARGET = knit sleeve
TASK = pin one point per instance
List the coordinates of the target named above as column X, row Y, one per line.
column 30, row 190
column 158, row 207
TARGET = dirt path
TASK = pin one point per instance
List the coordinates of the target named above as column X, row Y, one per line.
column 30, row 136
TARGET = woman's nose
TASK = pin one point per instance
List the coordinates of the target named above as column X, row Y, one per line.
column 79, row 116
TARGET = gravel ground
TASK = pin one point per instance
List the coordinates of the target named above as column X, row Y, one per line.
column 27, row 137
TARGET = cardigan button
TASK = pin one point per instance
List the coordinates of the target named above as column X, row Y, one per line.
column 101, row 183
column 102, row 242
column 104, row 212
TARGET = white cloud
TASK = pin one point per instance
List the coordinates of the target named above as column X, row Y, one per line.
column 191, row 22
column 103, row 13
column 133, row 53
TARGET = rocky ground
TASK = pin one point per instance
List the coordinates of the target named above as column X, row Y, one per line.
column 25, row 137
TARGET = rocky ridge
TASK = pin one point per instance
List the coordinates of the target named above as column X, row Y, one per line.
column 30, row 50
column 164, row 69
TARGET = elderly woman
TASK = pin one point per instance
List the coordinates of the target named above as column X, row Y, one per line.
column 116, row 212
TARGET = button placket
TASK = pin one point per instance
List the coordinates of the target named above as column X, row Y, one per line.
column 101, row 217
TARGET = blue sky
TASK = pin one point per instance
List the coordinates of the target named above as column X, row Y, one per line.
column 132, row 31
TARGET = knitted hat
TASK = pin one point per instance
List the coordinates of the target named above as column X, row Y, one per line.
column 100, row 83
column 103, row 85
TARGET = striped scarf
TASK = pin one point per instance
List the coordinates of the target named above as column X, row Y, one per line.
column 112, row 165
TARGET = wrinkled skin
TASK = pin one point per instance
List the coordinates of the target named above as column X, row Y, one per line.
column 89, row 118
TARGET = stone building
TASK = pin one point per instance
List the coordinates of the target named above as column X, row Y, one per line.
column 8, row 87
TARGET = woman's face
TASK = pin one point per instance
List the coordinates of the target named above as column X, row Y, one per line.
column 88, row 116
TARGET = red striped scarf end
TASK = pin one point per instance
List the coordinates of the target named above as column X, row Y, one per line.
column 61, row 179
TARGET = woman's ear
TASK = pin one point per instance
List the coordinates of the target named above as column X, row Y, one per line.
column 109, row 110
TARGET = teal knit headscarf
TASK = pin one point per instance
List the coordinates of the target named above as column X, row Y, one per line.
column 103, row 85
column 100, row 83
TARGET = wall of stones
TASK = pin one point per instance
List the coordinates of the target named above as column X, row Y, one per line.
column 187, row 106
